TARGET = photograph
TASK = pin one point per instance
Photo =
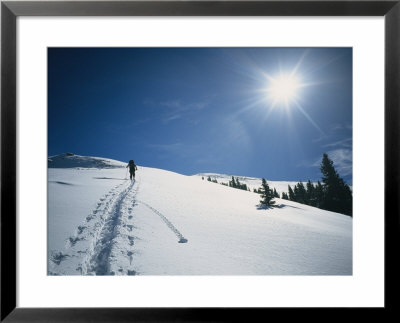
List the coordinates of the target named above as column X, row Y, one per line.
column 167, row 161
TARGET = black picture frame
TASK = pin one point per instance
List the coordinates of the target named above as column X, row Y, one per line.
column 10, row 10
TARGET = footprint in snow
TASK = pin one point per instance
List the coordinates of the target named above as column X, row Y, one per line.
column 81, row 228
column 58, row 257
column 89, row 218
column 74, row 240
column 130, row 254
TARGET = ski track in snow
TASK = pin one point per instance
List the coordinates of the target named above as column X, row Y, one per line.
column 167, row 222
column 103, row 244
column 101, row 258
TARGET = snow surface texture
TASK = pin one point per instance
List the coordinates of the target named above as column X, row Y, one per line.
column 164, row 223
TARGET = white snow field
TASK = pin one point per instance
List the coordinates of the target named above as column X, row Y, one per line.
column 164, row 223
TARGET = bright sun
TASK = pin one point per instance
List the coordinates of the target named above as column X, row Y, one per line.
column 283, row 88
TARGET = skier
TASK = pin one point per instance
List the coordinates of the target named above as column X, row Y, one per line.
column 132, row 169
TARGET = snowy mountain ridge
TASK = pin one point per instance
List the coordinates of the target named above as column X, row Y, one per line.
column 251, row 182
column 70, row 160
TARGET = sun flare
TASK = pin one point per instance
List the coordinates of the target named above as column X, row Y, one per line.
column 283, row 88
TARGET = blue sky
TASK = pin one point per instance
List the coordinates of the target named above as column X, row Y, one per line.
column 193, row 110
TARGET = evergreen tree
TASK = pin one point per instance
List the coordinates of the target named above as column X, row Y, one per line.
column 347, row 199
column 276, row 194
column 296, row 193
column 232, row 183
column 292, row 197
column 310, row 196
column 209, row 179
column 285, row 196
column 337, row 194
column 319, row 195
column 266, row 194
column 300, row 193
column 235, row 183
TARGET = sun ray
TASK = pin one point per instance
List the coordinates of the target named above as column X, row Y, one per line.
column 300, row 108
column 283, row 90
column 300, row 61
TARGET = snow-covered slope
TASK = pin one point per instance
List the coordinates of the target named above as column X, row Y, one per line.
column 70, row 160
column 164, row 223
